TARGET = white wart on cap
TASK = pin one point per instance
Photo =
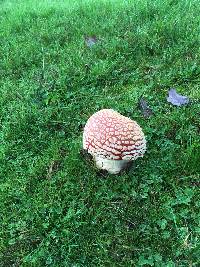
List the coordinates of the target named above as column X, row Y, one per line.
column 113, row 140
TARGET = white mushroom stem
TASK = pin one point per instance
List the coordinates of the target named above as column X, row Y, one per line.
column 111, row 165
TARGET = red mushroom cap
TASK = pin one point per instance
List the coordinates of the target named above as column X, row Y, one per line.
column 111, row 135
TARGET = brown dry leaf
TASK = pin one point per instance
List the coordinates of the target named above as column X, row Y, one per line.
column 176, row 99
column 86, row 155
column 146, row 110
column 52, row 168
column 90, row 40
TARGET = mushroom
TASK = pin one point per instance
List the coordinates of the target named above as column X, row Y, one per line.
column 113, row 140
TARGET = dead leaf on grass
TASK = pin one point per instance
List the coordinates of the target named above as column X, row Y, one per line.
column 146, row 110
column 176, row 99
column 90, row 40
column 52, row 168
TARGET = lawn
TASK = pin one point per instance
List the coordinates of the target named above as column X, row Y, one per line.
column 57, row 209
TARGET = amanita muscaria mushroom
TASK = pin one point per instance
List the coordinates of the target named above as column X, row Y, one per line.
column 113, row 140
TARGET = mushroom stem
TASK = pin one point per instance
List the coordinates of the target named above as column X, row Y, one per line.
column 112, row 166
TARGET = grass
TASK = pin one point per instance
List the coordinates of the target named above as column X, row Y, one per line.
column 57, row 209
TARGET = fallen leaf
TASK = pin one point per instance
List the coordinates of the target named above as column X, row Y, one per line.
column 52, row 168
column 177, row 99
column 90, row 40
column 146, row 110
column 102, row 173
column 84, row 153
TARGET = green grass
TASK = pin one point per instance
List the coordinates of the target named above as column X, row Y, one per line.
column 56, row 208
